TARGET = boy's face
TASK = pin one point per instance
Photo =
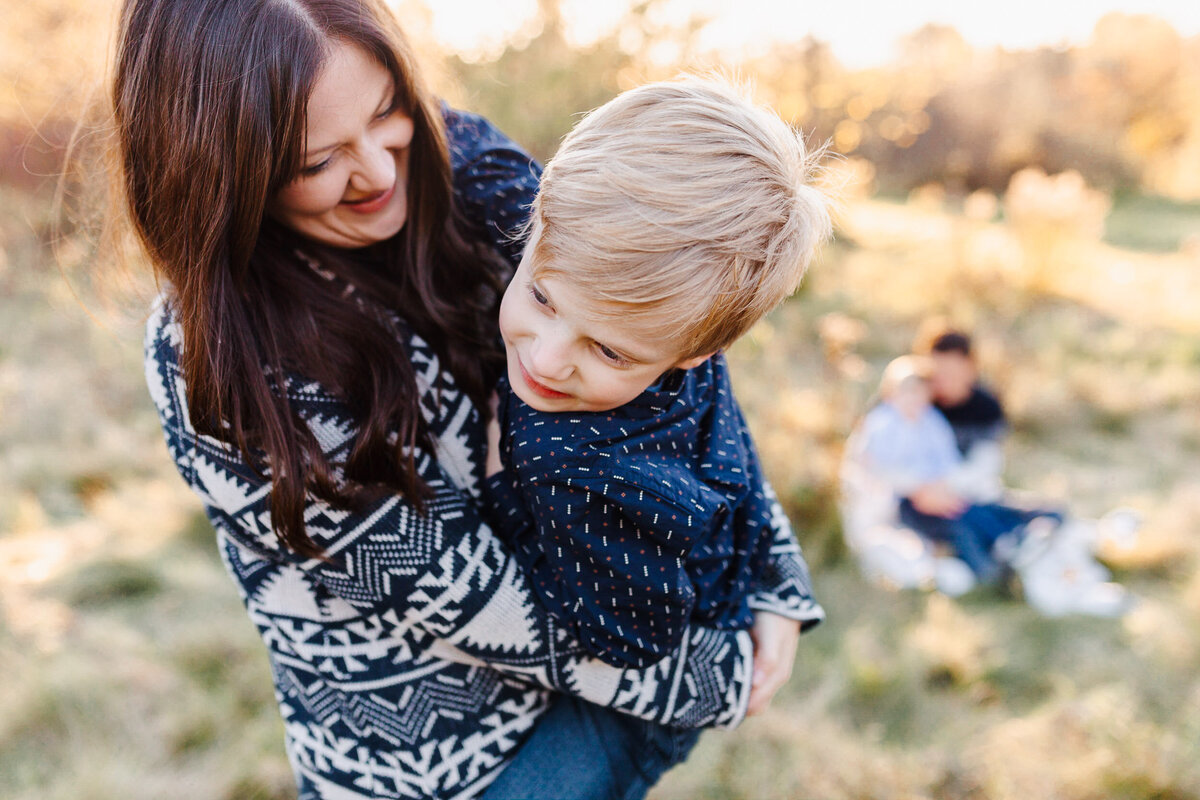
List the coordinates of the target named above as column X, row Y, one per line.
column 561, row 359
column 911, row 398
column 952, row 377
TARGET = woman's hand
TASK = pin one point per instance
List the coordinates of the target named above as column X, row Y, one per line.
column 774, row 652
column 493, row 463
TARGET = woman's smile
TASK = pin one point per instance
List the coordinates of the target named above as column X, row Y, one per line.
column 371, row 203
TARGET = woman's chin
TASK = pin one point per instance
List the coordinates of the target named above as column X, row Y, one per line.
column 353, row 233
column 382, row 229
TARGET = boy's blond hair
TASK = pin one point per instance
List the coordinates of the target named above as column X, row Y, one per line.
column 683, row 208
column 902, row 371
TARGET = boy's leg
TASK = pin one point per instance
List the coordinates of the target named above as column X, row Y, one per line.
column 960, row 534
column 580, row 751
column 1009, row 518
column 984, row 525
column 1011, row 524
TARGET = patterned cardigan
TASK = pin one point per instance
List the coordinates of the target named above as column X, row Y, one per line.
column 414, row 664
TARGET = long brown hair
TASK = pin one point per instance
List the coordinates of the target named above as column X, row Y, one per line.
column 210, row 102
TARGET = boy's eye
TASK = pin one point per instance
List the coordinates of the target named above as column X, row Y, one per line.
column 540, row 298
column 611, row 355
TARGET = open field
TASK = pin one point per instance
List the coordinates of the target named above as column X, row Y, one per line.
column 131, row 672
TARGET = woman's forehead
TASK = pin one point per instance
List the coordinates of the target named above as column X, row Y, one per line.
column 351, row 84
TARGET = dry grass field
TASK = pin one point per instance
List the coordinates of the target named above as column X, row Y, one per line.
column 129, row 671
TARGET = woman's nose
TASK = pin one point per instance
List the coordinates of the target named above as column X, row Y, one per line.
column 376, row 166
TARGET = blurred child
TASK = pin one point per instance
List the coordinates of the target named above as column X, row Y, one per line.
column 670, row 221
column 908, row 442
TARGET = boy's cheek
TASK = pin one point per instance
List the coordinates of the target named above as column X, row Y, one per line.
column 506, row 313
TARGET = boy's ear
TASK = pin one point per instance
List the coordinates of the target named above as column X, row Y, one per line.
column 695, row 362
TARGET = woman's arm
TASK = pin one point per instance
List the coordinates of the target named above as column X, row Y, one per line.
column 785, row 587
column 494, row 179
column 441, row 580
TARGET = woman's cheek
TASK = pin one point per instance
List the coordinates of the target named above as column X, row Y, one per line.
column 311, row 196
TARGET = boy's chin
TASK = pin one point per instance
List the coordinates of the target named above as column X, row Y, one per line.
column 540, row 403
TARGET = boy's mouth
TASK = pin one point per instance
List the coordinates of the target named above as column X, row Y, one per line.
column 539, row 389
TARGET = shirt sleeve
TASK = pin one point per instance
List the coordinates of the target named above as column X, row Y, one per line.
column 608, row 554
column 943, row 448
column 888, row 453
column 495, row 180
column 441, row 580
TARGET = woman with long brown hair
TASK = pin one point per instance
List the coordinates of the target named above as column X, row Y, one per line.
column 331, row 242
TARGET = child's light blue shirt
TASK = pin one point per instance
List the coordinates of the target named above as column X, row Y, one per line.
column 909, row 453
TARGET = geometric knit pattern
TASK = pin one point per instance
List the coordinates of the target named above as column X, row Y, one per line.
column 413, row 663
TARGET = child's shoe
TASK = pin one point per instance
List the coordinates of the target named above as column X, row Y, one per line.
column 952, row 576
column 1120, row 526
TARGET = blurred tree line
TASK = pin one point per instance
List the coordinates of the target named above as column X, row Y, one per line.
column 1120, row 109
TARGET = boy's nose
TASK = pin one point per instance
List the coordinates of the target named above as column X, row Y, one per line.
column 549, row 359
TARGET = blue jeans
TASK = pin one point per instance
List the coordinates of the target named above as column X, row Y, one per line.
column 973, row 534
column 580, row 751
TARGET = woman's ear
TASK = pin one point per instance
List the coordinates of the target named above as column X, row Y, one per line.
column 695, row 362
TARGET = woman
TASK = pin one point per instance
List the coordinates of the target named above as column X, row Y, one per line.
column 331, row 243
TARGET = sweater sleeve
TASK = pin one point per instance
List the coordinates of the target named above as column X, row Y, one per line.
column 785, row 587
column 439, row 579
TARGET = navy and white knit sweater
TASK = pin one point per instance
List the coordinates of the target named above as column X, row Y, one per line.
column 414, row 665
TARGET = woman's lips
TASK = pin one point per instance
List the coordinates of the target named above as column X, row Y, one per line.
column 369, row 205
column 538, row 388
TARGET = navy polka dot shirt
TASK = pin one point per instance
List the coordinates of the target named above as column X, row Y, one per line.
column 635, row 521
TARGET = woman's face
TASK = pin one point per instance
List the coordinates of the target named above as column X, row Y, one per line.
column 352, row 187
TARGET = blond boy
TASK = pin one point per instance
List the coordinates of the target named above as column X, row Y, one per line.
column 669, row 222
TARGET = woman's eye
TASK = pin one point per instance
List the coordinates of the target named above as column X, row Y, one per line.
column 391, row 108
column 316, row 168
